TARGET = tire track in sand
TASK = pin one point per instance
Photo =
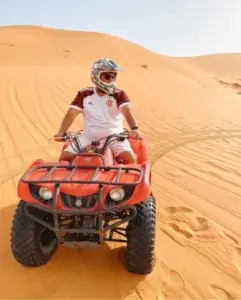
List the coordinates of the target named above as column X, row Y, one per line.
column 13, row 172
column 31, row 127
column 189, row 229
column 46, row 121
column 222, row 161
column 24, row 118
column 161, row 151
column 208, row 174
column 10, row 134
column 57, row 108
column 63, row 93
column 27, row 122
column 153, row 157
column 3, row 159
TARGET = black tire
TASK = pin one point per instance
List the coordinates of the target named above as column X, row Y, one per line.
column 141, row 233
column 32, row 244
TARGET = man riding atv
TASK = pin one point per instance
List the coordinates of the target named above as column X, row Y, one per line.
column 95, row 199
column 103, row 108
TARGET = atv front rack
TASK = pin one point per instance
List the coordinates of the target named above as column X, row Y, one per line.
column 72, row 171
column 99, row 212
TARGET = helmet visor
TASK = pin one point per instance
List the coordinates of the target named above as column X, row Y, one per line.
column 108, row 76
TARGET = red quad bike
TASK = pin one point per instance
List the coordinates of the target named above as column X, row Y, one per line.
column 79, row 202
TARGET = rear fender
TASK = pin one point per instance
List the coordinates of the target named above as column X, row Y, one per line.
column 143, row 190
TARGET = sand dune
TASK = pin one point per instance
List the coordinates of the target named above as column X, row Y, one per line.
column 193, row 127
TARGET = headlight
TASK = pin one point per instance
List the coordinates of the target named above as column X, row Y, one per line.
column 117, row 194
column 45, row 193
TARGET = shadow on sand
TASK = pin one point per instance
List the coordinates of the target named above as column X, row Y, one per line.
column 71, row 274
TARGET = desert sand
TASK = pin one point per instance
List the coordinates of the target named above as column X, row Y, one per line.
column 189, row 110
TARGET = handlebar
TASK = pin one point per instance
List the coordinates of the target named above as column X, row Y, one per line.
column 93, row 147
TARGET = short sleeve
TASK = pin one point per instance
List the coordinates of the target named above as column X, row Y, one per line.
column 77, row 103
column 122, row 99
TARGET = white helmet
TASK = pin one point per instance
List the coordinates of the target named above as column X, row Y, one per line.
column 102, row 66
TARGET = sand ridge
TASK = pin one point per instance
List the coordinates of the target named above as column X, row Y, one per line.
column 192, row 124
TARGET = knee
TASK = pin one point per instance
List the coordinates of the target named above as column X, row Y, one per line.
column 132, row 158
column 67, row 156
column 127, row 157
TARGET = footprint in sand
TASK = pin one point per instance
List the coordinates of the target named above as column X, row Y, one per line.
column 202, row 224
column 185, row 226
column 176, row 228
column 174, row 286
column 177, row 209
column 235, row 254
column 220, row 293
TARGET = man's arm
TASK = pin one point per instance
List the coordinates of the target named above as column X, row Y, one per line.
column 75, row 108
column 129, row 116
column 68, row 119
column 125, row 107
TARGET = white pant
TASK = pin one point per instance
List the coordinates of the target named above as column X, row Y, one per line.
column 116, row 147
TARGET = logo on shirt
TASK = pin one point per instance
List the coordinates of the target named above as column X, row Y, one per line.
column 109, row 103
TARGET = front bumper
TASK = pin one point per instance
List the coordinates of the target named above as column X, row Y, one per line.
column 100, row 229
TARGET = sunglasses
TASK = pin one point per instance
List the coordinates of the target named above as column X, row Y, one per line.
column 108, row 76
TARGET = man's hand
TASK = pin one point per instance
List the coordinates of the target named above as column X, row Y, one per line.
column 58, row 136
column 135, row 134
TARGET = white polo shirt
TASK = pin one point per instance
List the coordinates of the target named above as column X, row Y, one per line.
column 102, row 115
